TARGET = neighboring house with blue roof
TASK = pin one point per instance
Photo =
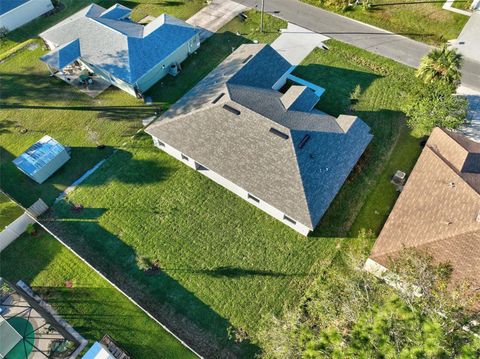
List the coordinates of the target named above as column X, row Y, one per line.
column 15, row 13
column 270, row 147
column 42, row 159
column 129, row 55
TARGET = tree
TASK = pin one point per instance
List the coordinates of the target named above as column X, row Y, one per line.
column 434, row 105
column 441, row 65
column 348, row 313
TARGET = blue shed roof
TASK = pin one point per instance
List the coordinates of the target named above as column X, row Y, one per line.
column 63, row 55
column 8, row 5
column 38, row 155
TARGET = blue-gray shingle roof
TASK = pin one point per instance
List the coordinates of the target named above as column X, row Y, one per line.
column 123, row 48
column 262, row 146
column 63, row 55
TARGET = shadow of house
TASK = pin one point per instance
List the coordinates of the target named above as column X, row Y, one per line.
column 187, row 316
column 339, row 83
column 212, row 52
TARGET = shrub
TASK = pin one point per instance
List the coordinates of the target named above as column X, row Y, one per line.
column 31, row 229
column 434, row 105
column 144, row 263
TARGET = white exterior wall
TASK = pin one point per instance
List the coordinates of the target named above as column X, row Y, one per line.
column 25, row 13
column 50, row 168
column 161, row 69
column 272, row 211
column 122, row 85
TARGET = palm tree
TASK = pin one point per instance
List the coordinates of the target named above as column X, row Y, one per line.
column 442, row 65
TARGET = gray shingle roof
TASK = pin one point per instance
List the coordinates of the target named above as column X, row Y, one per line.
column 297, row 175
column 126, row 49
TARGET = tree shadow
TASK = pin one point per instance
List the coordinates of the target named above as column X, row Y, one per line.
column 187, row 316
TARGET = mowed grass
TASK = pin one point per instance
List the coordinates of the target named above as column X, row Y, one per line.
column 92, row 306
column 424, row 21
column 35, row 104
column 223, row 262
column 183, row 9
column 9, row 211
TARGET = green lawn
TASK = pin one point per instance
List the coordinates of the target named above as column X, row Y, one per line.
column 182, row 9
column 9, row 211
column 228, row 265
column 93, row 307
column 424, row 21
column 462, row 4
column 34, row 104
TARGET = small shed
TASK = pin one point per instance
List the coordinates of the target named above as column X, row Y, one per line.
column 42, row 159
column 15, row 13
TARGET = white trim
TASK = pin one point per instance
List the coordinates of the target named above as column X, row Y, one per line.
column 236, row 189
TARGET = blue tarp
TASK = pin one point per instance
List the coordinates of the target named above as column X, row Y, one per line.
column 116, row 12
column 63, row 55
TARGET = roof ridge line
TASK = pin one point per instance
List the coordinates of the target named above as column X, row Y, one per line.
column 451, row 166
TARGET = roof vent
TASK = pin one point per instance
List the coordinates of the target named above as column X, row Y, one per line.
column 231, row 109
column 279, row 133
column 304, row 141
column 218, row 98
column 478, row 216
column 247, row 58
column 451, row 184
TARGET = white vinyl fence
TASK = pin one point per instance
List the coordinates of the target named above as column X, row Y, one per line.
column 18, row 226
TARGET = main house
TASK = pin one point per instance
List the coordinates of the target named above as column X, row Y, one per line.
column 438, row 210
column 15, row 13
column 131, row 56
column 251, row 126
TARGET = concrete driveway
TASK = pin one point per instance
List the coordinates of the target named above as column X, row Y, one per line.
column 468, row 42
column 296, row 42
column 213, row 16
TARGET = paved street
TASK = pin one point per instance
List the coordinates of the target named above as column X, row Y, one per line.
column 373, row 39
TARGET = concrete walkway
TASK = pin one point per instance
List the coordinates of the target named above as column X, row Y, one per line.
column 373, row 39
column 472, row 130
column 213, row 16
column 449, row 6
column 296, row 42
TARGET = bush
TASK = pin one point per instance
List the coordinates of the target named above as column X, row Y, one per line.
column 144, row 263
column 31, row 229
column 356, row 93
column 434, row 105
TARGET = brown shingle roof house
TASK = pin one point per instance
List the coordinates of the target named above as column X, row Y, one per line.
column 438, row 210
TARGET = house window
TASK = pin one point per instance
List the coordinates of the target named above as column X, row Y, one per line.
column 253, row 198
column 288, row 219
column 185, row 158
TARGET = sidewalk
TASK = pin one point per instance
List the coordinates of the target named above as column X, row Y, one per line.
column 212, row 17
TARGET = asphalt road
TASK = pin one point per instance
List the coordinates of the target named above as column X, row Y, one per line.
column 373, row 39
